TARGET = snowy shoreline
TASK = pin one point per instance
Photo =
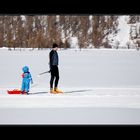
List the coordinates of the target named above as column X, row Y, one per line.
column 97, row 97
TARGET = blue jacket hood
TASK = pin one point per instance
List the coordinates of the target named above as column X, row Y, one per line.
column 25, row 69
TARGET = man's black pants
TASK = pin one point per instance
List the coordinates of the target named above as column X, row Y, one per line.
column 54, row 75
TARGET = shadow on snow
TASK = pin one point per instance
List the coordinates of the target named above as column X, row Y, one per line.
column 72, row 91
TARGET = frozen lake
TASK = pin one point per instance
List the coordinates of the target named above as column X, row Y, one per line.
column 101, row 87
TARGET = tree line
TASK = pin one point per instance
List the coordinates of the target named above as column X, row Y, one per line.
column 40, row 31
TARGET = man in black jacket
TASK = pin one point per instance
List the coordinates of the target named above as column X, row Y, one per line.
column 53, row 62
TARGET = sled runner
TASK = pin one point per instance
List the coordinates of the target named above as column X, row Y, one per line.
column 15, row 91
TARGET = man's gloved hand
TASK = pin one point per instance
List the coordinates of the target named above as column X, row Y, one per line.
column 51, row 67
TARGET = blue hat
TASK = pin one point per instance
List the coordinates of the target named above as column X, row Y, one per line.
column 25, row 69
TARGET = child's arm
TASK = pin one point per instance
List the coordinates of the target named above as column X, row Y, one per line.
column 30, row 77
column 22, row 75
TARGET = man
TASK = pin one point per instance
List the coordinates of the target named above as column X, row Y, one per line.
column 53, row 62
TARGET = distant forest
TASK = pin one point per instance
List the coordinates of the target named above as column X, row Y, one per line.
column 35, row 31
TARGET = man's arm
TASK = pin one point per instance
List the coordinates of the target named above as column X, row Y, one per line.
column 51, row 59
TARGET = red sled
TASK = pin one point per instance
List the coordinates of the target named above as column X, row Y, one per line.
column 15, row 91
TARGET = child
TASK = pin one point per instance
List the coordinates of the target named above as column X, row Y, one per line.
column 27, row 78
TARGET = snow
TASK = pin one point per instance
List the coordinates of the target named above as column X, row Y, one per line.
column 90, row 28
column 23, row 17
column 74, row 42
column 122, row 37
column 124, row 31
column 97, row 97
column 101, row 86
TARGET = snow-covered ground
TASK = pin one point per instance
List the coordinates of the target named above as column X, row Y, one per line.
column 101, row 86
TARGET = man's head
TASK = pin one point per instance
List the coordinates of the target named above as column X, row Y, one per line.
column 55, row 46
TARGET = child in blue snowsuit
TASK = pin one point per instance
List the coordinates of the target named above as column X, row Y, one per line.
column 27, row 78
